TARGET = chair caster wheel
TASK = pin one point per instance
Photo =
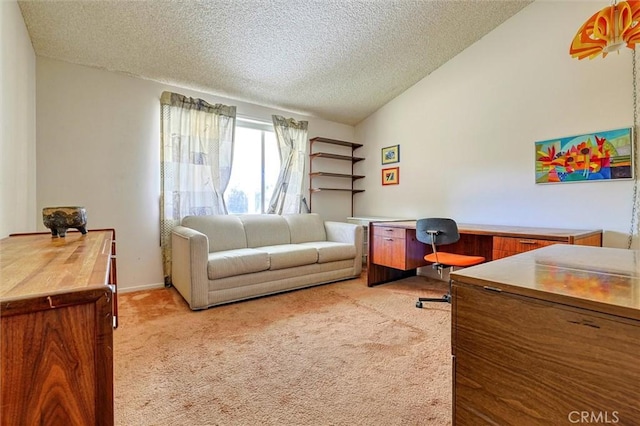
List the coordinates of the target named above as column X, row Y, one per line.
column 418, row 304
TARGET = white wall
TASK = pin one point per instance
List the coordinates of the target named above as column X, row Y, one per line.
column 98, row 145
column 467, row 131
column 17, row 123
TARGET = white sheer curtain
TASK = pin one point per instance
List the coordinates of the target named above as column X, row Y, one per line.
column 196, row 156
column 292, row 142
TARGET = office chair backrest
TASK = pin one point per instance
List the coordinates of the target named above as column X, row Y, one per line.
column 447, row 231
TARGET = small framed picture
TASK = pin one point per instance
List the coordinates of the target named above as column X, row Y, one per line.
column 391, row 176
column 391, row 154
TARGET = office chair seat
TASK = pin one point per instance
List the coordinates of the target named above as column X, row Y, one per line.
column 452, row 259
column 437, row 232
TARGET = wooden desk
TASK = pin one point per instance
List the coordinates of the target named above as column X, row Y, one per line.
column 395, row 252
column 547, row 337
column 56, row 329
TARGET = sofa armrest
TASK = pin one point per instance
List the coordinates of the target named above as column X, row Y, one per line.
column 189, row 257
column 350, row 233
column 342, row 232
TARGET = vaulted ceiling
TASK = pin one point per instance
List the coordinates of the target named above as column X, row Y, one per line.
column 340, row 60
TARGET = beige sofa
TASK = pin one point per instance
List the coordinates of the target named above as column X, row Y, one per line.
column 221, row 259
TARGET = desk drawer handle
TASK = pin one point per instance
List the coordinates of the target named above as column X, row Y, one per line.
column 388, row 239
column 389, row 230
column 528, row 242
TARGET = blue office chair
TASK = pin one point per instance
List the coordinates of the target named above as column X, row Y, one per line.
column 437, row 232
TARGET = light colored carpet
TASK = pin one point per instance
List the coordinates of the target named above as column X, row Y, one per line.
column 337, row 354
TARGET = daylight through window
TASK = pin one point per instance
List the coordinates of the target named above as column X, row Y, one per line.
column 256, row 164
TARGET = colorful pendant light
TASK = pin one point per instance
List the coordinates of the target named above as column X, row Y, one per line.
column 608, row 30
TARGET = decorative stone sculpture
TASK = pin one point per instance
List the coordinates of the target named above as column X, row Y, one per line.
column 59, row 219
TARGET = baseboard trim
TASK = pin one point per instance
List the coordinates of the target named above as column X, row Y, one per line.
column 429, row 272
column 154, row 286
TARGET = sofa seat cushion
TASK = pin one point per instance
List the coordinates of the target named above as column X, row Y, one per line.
column 289, row 255
column 329, row 251
column 228, row 263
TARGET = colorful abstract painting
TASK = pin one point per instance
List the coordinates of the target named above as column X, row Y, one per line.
column 595, row 156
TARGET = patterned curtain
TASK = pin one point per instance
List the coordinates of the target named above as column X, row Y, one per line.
column 196, row 155
column 292, row 142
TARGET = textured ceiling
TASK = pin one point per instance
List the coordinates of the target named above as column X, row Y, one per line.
column 340, row 60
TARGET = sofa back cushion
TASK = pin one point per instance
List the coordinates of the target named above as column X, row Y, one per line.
column 265, row 230
column 305, row 227
column 224, row 232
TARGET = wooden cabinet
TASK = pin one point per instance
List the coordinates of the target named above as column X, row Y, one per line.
column 508, row 246
column 56, row 329
column 365, row 221
column 397, row 248
column 547, row 338
column 333, row 176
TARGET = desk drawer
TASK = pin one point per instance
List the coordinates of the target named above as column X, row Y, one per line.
column 389, row 232
column 508, row 246
column 402, row 253
column 389, row 251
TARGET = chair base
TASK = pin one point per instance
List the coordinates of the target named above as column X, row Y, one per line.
column 446, row 298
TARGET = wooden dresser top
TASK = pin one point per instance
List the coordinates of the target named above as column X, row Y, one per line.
column 596, row 278
column 37, row 264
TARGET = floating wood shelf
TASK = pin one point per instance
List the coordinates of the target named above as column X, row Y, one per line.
column 333, row 156
column 336, row 142
column 354, row 191
column 338, row 175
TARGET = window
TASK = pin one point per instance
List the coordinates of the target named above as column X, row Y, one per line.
column 255, row 169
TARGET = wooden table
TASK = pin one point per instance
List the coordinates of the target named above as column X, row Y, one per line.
column 548, row 337
column 56, row 329
column 395, row 252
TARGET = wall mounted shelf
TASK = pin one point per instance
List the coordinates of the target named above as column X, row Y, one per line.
column 336, row 156
column 324, row 174
column 355, row 191
column 340, row 175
